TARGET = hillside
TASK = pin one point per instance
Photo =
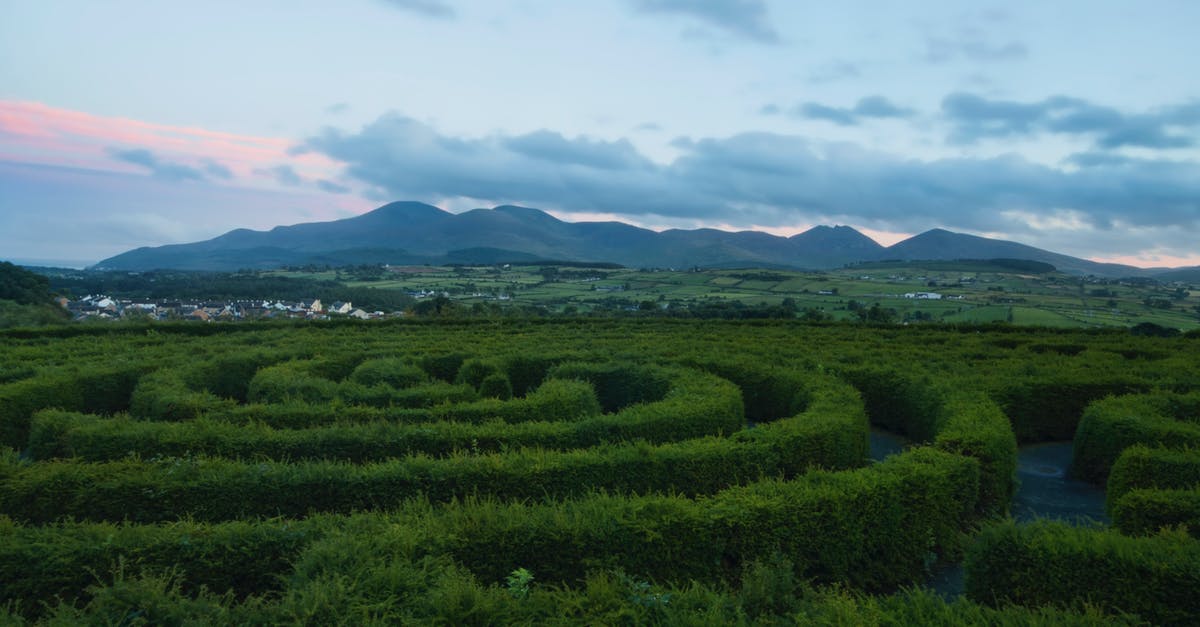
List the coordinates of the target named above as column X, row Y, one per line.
column 416, row 233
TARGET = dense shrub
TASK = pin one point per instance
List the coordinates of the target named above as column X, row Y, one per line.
column 1144, row 467
column 291, row 381
column 96, row 390
column 618, row 385
column 1049, row 563
column 496, row 385
column 1050, row 408
column 1145, row 511
column 1111, row 425
column 394, row 372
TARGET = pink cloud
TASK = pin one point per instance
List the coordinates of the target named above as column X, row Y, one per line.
column 1151, row 260
column 38, row 133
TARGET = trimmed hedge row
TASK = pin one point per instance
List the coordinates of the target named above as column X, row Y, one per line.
column 691, row 409
column 875, row 528
column 1049, row 408
column 62, row 560
column 831, row 434
column 1111, row 425
column 432, row 591
column 1140, row 466
column 97, row 391
column 965, row 423
column 1146, row 510
column 1050, row 563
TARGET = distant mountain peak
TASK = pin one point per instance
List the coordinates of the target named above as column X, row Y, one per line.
column 415, row 232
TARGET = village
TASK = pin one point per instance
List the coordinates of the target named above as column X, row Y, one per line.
column 102, row 307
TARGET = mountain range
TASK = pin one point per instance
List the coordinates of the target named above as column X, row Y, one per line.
column 402, row 233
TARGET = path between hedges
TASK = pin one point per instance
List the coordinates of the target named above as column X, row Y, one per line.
column 1044, row 492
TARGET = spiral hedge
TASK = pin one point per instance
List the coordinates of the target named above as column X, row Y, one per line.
column 562, row 471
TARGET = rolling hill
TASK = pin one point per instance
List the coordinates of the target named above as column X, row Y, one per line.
column 414, row 233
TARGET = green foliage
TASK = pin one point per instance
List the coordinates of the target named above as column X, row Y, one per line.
column 496, row 385
column 1050, row 563
column 22, row 286
column 1111, row 425
column 1141, row 466
column 1144, row 511
column 394, row 372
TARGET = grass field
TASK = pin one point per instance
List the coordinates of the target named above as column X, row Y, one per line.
column 971, row 292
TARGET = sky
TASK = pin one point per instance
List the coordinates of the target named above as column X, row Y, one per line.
column 1069, row 125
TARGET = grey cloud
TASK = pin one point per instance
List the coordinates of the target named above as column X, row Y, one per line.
column 283, row 174
column 648, row 127
column 165, row 170
column 425, row 8
column 770, row 109
column 216, row 170
column 553, row 147
column 337, row 108
column 331, row 187
column 759, row 178
column 975, row 117
column 868, row 107
column 747, row 19
column 941, row 50
column 834, row 71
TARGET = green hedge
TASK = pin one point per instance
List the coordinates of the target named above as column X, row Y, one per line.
column 874, row 528
column 899, row 400
column 1140, row 466
column 1050, row 563
column 98, row 390
column 618, row 385
column 362, row 586
column 965, row 423
column 62, row 560
column 1111, row 425
column 164, row 395
column 395, row 372
column 973, row 425
column 1049, row 408
column 831, row 434
column 1145, row 511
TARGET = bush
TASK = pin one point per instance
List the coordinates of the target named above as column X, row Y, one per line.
column 95, row 390
column 1050, row 563
column 1145, row 511
column 290, row 381
column 1111, row 425
column 393, row 372
column 1144, row 467
column 496, row 386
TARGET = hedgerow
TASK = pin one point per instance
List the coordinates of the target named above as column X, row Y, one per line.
column 1047, row 563
column 1111, row 425
column 663, row 471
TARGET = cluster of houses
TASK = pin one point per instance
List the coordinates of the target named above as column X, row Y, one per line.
column 100, row 306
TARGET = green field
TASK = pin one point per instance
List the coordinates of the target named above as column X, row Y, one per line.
column 972, row 292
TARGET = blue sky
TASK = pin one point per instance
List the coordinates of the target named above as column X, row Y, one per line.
column 1073, row 126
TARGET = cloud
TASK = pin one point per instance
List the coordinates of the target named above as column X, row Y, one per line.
column 975, row 117
column 165, row 170
column 282, row 174
column 648, row 127
column 868, row 107
column 215, row 170
column 762, row 178
column 331, row 187
column 337, row 108
column 746, row 19
column 972, row 48
column 425, row 8
column 834, row 71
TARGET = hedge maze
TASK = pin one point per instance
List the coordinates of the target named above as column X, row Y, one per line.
column 587, row 472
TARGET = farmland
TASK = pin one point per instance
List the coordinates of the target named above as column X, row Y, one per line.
column 971, row 292
column 576, row 470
